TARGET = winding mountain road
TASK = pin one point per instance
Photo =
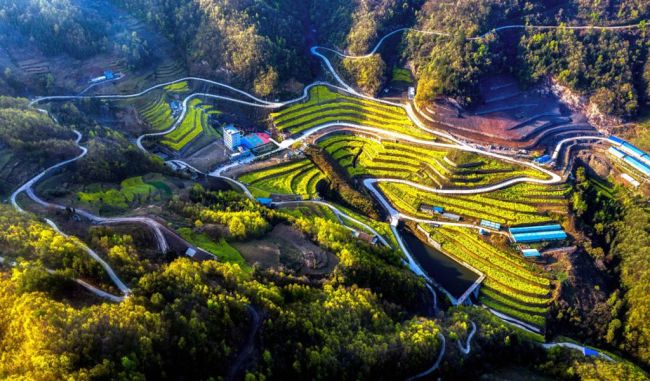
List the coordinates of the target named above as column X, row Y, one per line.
column 339, row 213
column 441, row 354
column 254, row 101
column 480, row 37
column 465, row 349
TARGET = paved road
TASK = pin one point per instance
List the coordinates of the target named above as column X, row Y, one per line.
column 28, row 189
column 339, row 213
column 100, row 293
column 247, row 350
column 111, row 274
column 562, row 142
column 465, row 349
column 575, row 347
column 436, row 364
column 149, row 89
column 395, row 215
column 515, row 322
column 39, row 176
column 495, row 30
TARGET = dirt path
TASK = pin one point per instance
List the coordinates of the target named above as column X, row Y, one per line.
column 249, row 346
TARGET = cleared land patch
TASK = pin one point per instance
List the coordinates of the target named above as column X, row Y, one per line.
column 399, row 74
column 178, row 87
column 221, row 249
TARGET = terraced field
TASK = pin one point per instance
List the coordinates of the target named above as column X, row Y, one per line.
column 298, row 177
column 326, row 106
column 407, row 199
column 363, row 156
column 399, row 74
column 169, row 71
column 512, row 285
column 178, row 87
column 194, row 124
column 130, row 190
column 157, row 113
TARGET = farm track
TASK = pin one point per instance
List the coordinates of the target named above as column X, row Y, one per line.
column 395, row 216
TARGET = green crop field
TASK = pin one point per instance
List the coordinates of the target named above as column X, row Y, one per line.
column 221, row 249
column 178, row 87
column 193, row 125
column 425, row 165
column 130, row 189
column 407, row 199
column 512, row 285
column 326, row 106
column 401, row 75
column 300, row 177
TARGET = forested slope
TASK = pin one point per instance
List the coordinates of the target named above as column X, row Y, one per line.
column 255, row 44
column 603, row 65
column 29, row 140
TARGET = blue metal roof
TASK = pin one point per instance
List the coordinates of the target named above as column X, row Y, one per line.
column 490, row 224
column 645, row 159
column 615, row 140
column 251, row 141
column 632, row 150
column 554, row 235
column 264, row 200
column 543, row 159
column 538, row 228
column 616, row 152
column 638, row 165
column 530, row 253
column 231, row 129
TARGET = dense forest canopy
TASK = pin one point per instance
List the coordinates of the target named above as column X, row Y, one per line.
column 264, row 47
column 56, row 26
column 604, row 65
column 26, row 130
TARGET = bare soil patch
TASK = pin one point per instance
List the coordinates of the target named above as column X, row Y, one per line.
column 508, row 115
column 285, row 247
column 209, row 156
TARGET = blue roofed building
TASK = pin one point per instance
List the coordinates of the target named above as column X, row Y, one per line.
column 231, row 137
column 543, row 159
column 616, row 141
column 632, row 150
column 540, row 233
column 530, row 253
column 538, row 228
column 490, row 225
column 616, row 152
column 639, row 166
column 265, row 201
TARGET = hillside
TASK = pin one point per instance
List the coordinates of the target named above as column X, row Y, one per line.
column 324, row 190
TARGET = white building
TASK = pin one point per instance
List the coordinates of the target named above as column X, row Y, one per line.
column 411, row 93
column 231, row 137
column 630, row 180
